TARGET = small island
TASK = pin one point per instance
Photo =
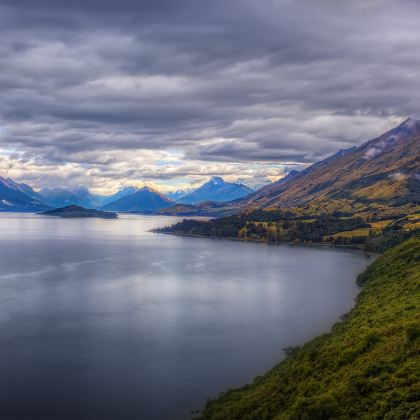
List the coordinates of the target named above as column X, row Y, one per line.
column 74, row 211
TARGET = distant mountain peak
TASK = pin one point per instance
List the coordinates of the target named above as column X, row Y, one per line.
column 216, row 189
column 144, row 200
column 128, row 189
column 217, row 180
column 149, row 189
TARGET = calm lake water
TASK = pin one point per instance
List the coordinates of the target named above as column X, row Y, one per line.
column 101, row 319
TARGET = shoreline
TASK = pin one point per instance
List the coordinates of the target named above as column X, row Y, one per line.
column 302, row 244
column 342, row 318
column 250, row 400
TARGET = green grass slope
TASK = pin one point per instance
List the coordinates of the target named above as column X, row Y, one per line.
column 367, row 367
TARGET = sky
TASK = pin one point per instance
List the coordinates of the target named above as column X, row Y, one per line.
column 168, row 93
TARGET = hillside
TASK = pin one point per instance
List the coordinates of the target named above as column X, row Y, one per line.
column 217, row 189
column 145, row 200
column 382, row 175
column 14, row 197
column 363, row 196
column 366, row 367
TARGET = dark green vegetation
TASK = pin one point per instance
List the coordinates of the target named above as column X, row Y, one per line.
column 206, row 209
column 276, row 226
column 77, row 211
column 368, row 366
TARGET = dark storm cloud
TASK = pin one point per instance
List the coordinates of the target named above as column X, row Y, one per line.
column 235, row 80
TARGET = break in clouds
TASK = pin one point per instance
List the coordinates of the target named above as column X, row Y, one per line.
column 163, row 92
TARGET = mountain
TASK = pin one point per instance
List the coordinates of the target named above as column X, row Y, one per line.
column 177, row 195
column 123, row 192
column 62, row 197
column 216, row 190
column 382, row 173
column 73, row 211
column 291, row 175
column 13, row 197
column 24, row 188
column 145, row 200
column 365, row 196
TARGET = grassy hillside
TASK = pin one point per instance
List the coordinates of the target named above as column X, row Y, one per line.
column 380, row 176
column 367, row 367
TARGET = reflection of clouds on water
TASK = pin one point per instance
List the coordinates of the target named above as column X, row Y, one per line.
column 162, row 265
column 195, row 266
column 73, row 266
column 199, row 261
column 34, row 273
column 204, row 254
column 66, row 266
column 132, row 314
column 195, row 262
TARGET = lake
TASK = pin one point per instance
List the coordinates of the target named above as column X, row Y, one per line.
column 102, row 319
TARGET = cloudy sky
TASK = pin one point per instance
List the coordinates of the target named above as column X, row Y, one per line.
column 168, row 92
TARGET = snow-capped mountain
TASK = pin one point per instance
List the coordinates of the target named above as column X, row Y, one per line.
column 14, row 198
column 177, row 195
column 216, row 190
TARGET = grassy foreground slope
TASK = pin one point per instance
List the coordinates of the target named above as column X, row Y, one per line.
column 368, row 366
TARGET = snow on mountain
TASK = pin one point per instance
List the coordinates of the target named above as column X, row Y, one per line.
column 216, row 189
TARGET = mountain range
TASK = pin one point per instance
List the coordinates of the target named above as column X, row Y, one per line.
column 62, row 197
column 128, row 199
column 80, row 196
column 20, row 197
column 178, row 194
column 217, row 189
column 381, row 175
column 383, row 172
